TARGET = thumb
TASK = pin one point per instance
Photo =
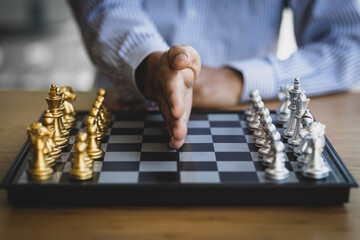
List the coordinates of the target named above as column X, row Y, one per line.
column 181, row 57
column 179, row 61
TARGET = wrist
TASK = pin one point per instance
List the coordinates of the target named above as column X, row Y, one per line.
column 145, row 75
column 238, row 78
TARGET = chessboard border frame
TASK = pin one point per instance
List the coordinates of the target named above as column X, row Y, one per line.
column 171, row 194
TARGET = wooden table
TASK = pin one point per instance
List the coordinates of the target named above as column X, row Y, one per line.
column 340, row 112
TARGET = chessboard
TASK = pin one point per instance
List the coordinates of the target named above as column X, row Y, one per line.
column 217, row 165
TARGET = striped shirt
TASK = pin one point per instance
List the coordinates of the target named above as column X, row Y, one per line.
column 240, row 34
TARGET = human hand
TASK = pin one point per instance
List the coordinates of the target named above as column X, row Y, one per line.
column 217, row 87
column 168, row 80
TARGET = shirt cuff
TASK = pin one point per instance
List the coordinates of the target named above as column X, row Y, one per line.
column 257, row 74
column 136, row 55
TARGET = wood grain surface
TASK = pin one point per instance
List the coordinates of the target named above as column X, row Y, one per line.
column 340, row 113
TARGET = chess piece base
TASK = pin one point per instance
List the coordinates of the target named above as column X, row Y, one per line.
column 259, row 142
column 81, row 175
column 297, row 152
column 254, row 126
column 96, row 155
column 293, row 143
column 36, row 174
column 257, row 134
column 316, row 173
column 61, row 142
column 287, row 133
column 275, row 174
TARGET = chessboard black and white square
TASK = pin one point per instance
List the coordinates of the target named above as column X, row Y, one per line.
column 218, row 158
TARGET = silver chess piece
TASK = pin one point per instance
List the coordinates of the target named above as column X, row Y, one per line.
column 302, row 151
column 306, row 150
column 268, row 158
column 301, row 103
column 306, row 120
column 254, row 125
column 265, row 148
column 262, row 113
column 254, row 100
column 294, row 93
column 283, row 111
column 277, row 169
column 260, row 140
column 250, row 109
column 316, row 168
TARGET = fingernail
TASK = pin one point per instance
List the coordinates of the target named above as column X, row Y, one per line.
column 180, row 57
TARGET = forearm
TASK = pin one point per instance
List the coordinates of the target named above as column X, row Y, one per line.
column 326, row 60
column 218, row 88
column 115, row 48
column 329, row 46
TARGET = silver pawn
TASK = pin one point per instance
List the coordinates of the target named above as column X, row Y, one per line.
column 294, row 93
column 262, row 113
column 250, row 117
column 301, row 104
column 316, row 167
column 283, row 111
column 259, row 141
column 254, row 125
column 277, row 169
column 250, row 109
column 306, row 120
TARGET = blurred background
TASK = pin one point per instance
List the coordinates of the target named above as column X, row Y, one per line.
column 40, row 44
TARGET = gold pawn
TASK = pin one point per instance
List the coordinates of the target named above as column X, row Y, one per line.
column 83, row 137
column 94, row 147
column 79, row 169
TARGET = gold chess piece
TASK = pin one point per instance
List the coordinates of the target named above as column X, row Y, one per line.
column 48, row 122
column 101, row 96
column 106, row 111
column 79, row 169
column 102, row 115
column 54, row 102
column 69, row 110
column 94, row 146
column 83, row 137
column 39, row 168
column 100, row 130
column 35, row 130
column 65, row 126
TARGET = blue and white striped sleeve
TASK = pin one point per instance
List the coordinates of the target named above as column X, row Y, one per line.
column 118, row 36
column 328, row 57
